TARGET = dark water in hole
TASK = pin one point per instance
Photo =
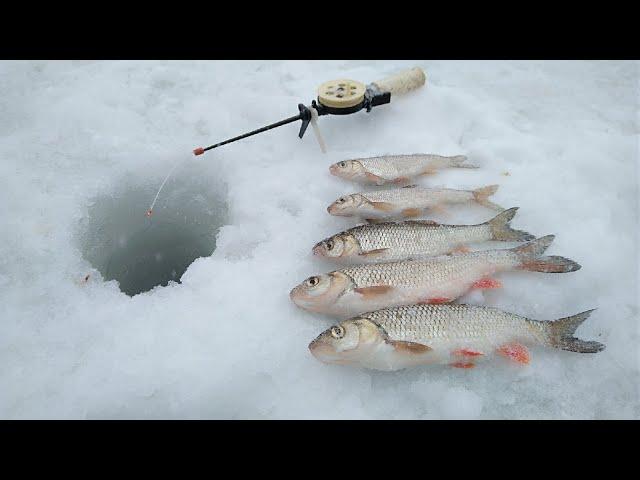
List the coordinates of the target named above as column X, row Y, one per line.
column 140, row 252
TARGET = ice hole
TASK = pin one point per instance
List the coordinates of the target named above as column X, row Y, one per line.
column 143, row 252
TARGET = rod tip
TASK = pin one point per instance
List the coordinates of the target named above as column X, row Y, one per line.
column 198, row 151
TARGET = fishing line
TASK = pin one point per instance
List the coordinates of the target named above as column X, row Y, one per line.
column 150, row 210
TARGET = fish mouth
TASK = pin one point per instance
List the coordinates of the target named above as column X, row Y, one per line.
column 334, row 210
column 333, row 170
column 293, row 294
column 301, row 299
column 323, row 351
column 318, row 250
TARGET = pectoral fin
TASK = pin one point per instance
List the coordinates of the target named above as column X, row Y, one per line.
column 411, row 348
column 382, row 206
column 401, row 180
column 374, row 178
column 411, row 212
column 373, row 253
column 372, row 292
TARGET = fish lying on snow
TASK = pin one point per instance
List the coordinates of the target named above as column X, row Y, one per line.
column 364, row 288
column 458, row 335
column 414, row 239
column 396, row 169
column 407, row 202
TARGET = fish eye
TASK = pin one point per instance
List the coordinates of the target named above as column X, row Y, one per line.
column 329, row 244
column 337, row 331
column 342, row 200
column 312, row 281
column 342, row 164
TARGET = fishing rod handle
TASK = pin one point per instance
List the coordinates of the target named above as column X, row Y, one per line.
column 402, row 82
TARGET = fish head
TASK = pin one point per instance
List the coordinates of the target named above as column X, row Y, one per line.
column 341, row 245
column 347, row 342
column 348, row 169
column 346, row 206
column 319, row 291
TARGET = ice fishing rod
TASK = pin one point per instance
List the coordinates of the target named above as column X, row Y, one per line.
column 341, row 97
column 335, row 97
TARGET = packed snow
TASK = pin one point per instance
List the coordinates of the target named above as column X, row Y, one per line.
column 85, row 144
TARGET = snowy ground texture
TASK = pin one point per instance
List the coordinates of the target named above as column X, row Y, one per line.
column 228, row 342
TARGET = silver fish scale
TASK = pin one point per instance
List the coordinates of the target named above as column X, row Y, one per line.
column 394, row 166
column 415, row 238
column 419, row 196
column 430, row 272
column 425, row 323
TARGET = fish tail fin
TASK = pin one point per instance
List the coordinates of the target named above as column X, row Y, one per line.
column 458, row 162
column 530, row 256
column 481, row 195
column 500, row 229
column 561, row 334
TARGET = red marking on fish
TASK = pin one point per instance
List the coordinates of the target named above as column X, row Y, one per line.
column 486, row 283
column 465, row 352
column 463, row 364
column 516, row 352
column 437, row 300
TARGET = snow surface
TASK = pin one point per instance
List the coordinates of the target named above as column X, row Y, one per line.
column 228, row 342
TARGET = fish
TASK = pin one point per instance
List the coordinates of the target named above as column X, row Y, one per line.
column 363, row 288
column 413, row 239
column 395, row 169
column 407, row 202
column 456, row 335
